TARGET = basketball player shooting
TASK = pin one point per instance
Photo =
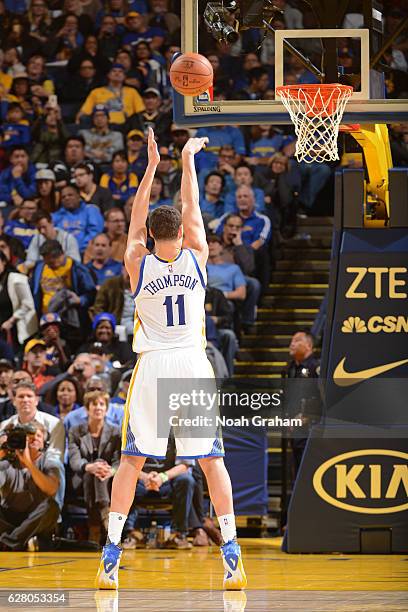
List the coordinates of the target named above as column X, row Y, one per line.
column 169, row 291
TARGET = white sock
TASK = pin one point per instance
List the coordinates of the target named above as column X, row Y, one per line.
column 227, row 526
column 115, row 526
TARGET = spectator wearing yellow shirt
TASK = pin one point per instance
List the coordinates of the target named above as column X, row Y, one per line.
column 121, row 183
column 5, row 79
column 121, row 101
column 56, row 273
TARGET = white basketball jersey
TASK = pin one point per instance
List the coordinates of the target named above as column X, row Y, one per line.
column 169, row 303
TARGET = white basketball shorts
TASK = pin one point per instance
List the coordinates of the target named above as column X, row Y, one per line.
column 140, row 423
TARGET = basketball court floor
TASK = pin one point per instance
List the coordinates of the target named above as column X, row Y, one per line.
column 168, row 580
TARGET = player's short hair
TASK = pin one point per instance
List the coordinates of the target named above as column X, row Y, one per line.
column 164, row 223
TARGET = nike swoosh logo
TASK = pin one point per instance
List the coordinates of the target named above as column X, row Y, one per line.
column 346, row 379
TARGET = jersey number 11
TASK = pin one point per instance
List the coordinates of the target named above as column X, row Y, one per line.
column 168, row 303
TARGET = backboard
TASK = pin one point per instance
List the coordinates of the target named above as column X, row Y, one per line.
column 367, row 105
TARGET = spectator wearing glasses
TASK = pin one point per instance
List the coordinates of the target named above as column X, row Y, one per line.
column 100, row 141
column 90, row 192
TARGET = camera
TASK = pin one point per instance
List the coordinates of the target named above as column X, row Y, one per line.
column 246, row 14
column 216, row 16
column 16, row 440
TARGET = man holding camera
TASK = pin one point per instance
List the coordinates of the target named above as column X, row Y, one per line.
column 29, row 479
column 26, row 402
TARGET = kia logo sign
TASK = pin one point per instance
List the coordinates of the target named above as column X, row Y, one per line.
column 385, row 483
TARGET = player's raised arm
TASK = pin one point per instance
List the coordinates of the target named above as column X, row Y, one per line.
column 137, row 233
column 194, row 231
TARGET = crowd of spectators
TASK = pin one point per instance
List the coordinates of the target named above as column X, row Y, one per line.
column 81, row 81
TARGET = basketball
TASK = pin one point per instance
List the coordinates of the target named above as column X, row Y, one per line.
column 191, row 74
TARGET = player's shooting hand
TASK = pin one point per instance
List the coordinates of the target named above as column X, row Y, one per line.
column 194, row 145
column 152, row 150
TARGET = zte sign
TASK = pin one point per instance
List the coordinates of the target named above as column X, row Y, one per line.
column 375, row 482
column 377, row 283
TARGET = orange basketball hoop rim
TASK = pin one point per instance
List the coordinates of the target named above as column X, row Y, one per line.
column 317, row 97
column 316, row 111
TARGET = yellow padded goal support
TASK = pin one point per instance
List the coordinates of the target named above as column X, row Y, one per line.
column 374, row 140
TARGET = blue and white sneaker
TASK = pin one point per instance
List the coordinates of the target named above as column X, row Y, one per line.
column 107, row 576
column 234, row 577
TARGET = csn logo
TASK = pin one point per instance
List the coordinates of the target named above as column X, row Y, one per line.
column 390, row 324
column 367, row 480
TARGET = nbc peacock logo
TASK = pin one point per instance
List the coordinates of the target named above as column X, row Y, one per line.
column 354, row 324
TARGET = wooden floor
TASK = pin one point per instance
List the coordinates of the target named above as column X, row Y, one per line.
column 158, row 580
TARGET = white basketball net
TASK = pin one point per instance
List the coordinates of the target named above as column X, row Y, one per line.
column 316, row 111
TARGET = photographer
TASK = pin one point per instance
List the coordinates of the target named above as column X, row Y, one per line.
column 29, row 479
column 26, row 403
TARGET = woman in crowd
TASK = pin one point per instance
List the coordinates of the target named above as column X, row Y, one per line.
column 66, row 396
column 18, row 319
column 156, row 194
column 148, row 64
column 106, row 341
column 94, row 455
column 12, row 248
column 121, row 183
column 67, row 40
column 48, row 197
column 90, row 51
column 12, row 61
column 20, row 89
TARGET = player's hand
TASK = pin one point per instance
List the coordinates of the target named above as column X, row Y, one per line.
column 194, row 145
column 152, row 150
